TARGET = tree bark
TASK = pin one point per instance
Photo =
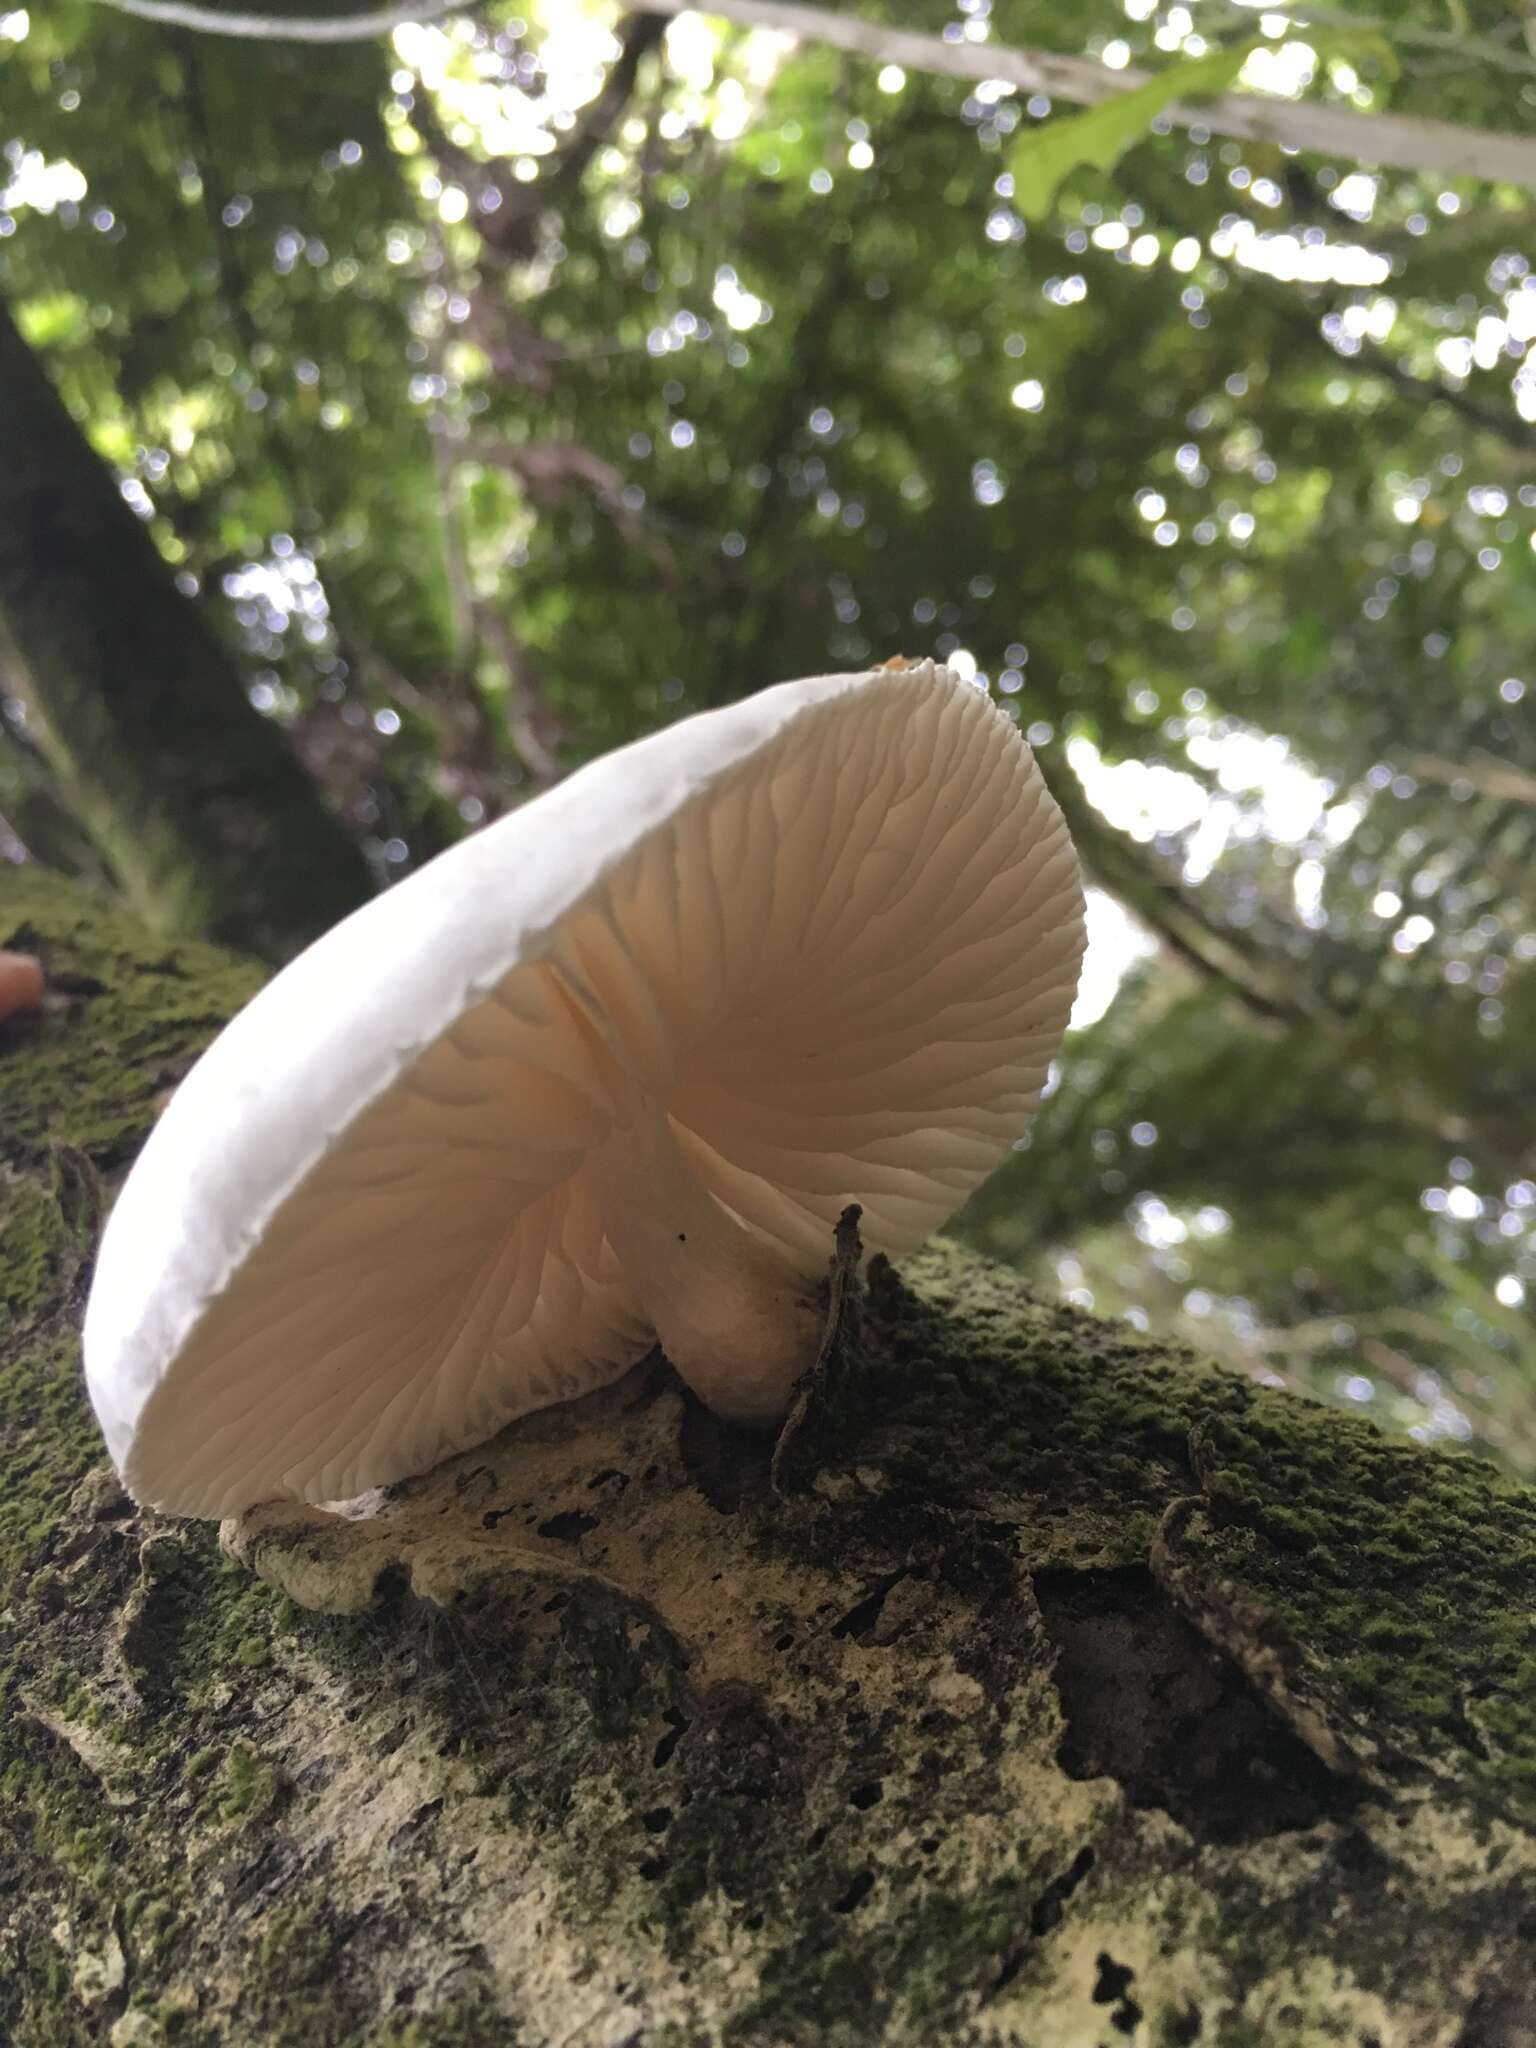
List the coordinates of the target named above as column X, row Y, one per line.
column 199, row 807
column 1063, row 1691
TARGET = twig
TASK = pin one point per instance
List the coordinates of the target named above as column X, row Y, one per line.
column 837, row 1331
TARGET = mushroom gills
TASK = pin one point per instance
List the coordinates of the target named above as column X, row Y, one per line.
column 738, row 1322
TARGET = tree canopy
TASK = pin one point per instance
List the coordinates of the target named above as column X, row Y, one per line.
column 501, row 387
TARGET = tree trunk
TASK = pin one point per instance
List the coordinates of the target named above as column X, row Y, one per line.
column 200, row 808
column 1064, row 1691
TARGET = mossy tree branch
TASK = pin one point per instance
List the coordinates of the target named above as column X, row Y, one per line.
column 1065, row 1688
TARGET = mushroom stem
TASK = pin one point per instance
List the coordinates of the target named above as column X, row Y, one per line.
column 737, row 1321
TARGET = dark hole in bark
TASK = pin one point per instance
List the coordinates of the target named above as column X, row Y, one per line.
column 677, row 1728
column 1183, row 2028
column 1113, row 1987
column 658, row 1819
column 863, row 1617
column 392, row 1589
column 1148, row 1702
column 729, row 1466
column 1045, row 1914
column 1114, row 1980
column 609, row 1476
column 653, row 1867
column 856, row 1893
column 866, row 1796
column 1049, row 1907
column 569, row 1527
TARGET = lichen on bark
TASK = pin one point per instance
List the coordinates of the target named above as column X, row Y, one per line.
column 1063, row 1689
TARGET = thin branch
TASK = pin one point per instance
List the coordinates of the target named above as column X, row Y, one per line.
column 1483, row 773
column 1367, row 360
column 532, row 723
column 450, row 512
column 280, row 28
column 1403, row 142
column 1514, row 433
column 1269, row 988
column 1454, row 41
column 1370, row 360
column 602, row 114
column 510, row 231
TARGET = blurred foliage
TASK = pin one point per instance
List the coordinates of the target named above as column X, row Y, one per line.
column 525, row 381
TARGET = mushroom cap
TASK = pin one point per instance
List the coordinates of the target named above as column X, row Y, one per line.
column 834, row 928
column 22, row 986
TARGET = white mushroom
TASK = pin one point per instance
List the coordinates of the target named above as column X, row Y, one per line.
column 605, row 1073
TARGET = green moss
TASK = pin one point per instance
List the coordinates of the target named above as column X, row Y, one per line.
column 48, row 1441
column 1407, row 1580
column 195, row 1617
column 230, row 1622
column 921, row 1953
column 1404, row 1579
column 131, row 1012
column 471, row 2021
column 80, row 1082
column 247, row 1788
column 83, row 1854
column 296, row 1990
column 32, row 1232
column 627, row 1670
column 297, row 1942
column 1024, row 1396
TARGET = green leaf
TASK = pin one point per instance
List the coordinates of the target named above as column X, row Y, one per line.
column 1103, row 134
column 54, row 320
